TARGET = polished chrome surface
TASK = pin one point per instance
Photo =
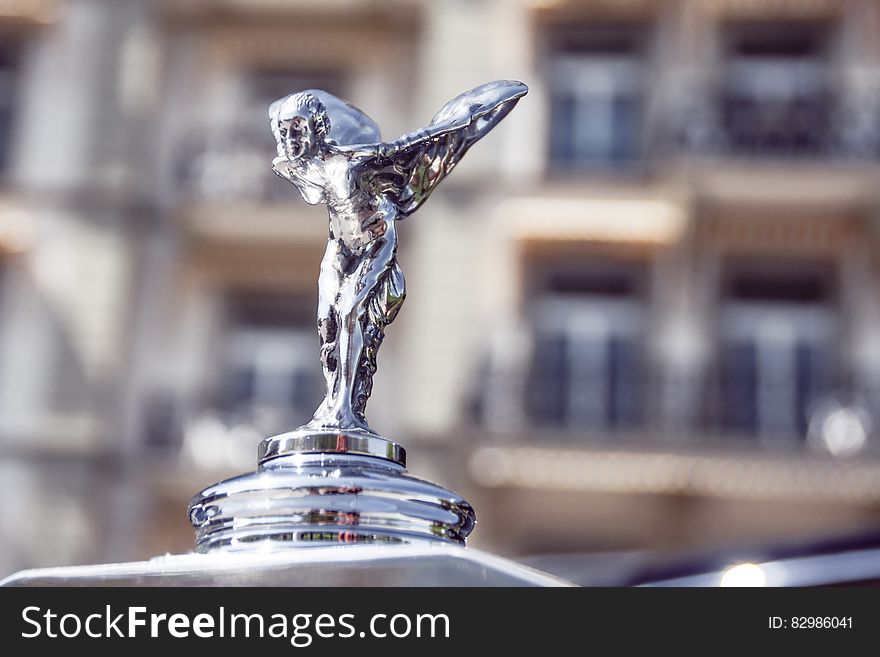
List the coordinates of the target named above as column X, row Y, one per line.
column 334, row 480
column 315, row 499
column 333, row 154
column 357, row 442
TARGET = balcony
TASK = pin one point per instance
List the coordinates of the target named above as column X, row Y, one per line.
column 598, row 388
column 829, row 125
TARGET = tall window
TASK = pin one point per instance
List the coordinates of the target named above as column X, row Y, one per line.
column 9, row 54
column 588, row 366
column 595, row 82
column 272, row 375
column 776, row 351
column 775, row 98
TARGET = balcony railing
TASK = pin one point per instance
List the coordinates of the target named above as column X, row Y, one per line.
column 234, row 168
column 838, row 421
column 838, row 122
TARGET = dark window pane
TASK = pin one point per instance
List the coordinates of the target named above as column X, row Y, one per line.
column 776, row 98
column 547, row 391
column 772, row 286
column 595, row 84
column 624, row 383
column 241, row 386
column 562, row 119
column 813, row 381
column 595, row 282
column 306, row 389
column 739, row 412
column 626, row 129
column 9, row 56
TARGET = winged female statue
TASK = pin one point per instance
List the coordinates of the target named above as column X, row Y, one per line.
column 334, row 154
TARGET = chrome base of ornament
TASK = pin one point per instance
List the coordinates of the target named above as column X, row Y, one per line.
column 351, row 441
column 309, row 499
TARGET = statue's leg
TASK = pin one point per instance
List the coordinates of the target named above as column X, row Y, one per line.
column 328, row 327
column 359, row 291
column 382, row 310
column 351, row 342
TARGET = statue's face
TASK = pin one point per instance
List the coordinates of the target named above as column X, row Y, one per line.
column 295, row 136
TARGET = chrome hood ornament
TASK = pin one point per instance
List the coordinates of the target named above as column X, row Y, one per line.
column 335, row 480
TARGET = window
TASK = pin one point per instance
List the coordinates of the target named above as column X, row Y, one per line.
column 776, row 351
column 595, row 83
column 9, row 54
column 272, row 376
column 588, row 365
column 775, row 98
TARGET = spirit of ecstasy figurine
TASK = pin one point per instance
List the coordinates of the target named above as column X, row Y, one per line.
column 333, row 153
column 334, row 480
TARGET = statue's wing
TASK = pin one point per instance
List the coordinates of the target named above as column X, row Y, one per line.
column 413, row 165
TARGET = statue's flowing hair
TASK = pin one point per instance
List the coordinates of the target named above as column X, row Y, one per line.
column 306, row 103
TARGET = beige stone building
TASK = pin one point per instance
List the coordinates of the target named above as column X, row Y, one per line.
column 642, row 313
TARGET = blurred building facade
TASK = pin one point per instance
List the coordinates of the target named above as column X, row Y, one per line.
column 642, row 314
